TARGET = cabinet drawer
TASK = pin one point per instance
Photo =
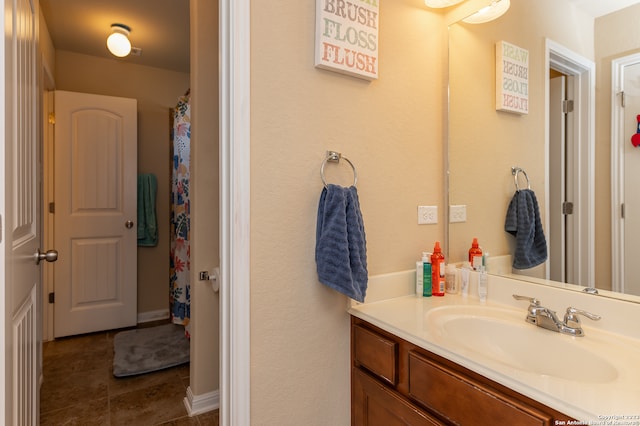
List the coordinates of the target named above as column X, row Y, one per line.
column 376, row 353
column 464, row 401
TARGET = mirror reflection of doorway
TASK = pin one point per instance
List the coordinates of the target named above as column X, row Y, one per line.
column 561, row 178
column 625, row 172
column 570, row 182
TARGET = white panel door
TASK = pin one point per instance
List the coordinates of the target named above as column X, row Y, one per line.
column 95, row 213
column 20, row 211
column 557, row 190
column 563, row 174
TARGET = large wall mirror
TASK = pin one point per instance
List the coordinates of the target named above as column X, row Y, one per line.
column 566, row 154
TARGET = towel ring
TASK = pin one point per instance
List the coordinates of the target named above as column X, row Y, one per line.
column 335, row 157
column 514, row 172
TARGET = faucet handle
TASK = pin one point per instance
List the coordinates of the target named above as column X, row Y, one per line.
column 571, row 318
column 532, row 300
column 532, row 310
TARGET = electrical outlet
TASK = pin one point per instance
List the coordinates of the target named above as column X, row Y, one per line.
column 427, row 215
column 458, row 213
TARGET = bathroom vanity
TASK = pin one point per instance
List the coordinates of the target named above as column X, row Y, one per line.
column 397, row 382
column 455, row 360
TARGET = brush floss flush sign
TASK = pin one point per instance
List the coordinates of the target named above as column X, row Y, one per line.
column 512, row 78
column 347, row 37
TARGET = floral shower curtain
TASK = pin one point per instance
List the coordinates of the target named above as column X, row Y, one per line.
column 180, row 291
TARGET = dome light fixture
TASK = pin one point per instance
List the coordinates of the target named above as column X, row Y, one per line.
column 496, row 9
column 441, row 3
column 118, row 41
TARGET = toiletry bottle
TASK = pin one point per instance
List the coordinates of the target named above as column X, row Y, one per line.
column 464, row 279
column 475, row 255
column 450, row 279
column 437, row 270
column 482, row 284
column 419, row 280
column 426, row 274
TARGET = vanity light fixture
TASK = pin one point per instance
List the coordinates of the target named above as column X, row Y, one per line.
column 118, row 41
column 496, row 9
column 441, row 3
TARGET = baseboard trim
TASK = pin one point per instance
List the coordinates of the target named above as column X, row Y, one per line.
column 153, row 316
column 198, row 404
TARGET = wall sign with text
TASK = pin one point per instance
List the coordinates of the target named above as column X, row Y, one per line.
column 512, row 78
column 347, row 37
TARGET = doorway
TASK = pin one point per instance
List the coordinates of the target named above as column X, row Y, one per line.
column 155, row 85
column 573, row 249
column 562, row 175
column 234, row 22
column 625, row 169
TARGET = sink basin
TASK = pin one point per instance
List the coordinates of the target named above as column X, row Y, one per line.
column 503, row 336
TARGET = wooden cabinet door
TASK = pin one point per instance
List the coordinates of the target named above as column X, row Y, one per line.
column 373, row 404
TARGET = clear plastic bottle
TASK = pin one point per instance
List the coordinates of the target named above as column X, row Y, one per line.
column 437, row 270
column 464, row 279
column 419, row 279
column 450, row 279
column 475, row 255
column 482, row 284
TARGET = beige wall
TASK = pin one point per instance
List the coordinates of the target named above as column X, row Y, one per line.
column 46, row 49
column 391, row 129
column 157, row 91
column 485, row 143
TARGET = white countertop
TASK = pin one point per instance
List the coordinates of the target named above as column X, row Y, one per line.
column 615, row 401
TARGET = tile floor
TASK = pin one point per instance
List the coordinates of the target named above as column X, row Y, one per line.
column 79, row 388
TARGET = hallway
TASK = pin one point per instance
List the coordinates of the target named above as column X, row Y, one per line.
column 80, row 389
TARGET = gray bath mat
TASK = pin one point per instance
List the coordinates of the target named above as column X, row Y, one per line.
column 149, row 349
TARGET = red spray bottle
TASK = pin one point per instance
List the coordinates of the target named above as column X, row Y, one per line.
column 437, row 270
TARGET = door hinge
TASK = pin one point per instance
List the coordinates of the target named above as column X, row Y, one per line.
column 52, row 118
column 567, row 106
column 567, row 208
column 52, row 297
column 622, row 210
column 52, row 207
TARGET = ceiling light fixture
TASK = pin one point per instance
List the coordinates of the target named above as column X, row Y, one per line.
column 441, row 3
column 496, row 9
column 118, row 41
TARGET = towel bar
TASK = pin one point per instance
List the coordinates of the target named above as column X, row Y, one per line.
column 514, row 172
column 335, row 157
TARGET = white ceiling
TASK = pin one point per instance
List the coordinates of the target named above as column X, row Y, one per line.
column 598, row 8
column 159, row 27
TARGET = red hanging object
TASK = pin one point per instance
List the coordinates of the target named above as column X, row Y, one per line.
column 635, row 139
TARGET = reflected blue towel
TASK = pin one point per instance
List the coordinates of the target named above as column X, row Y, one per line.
column 341, row 249
column 523, row 222
column 147, row 223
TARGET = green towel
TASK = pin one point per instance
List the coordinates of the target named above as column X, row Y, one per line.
column 147, row 224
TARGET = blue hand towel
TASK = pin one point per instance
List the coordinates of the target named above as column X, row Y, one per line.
column 341, row 249
column 147, row 223
column 523, row 222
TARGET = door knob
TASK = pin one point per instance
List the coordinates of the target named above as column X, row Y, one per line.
column 129, row 224
column 49, row 256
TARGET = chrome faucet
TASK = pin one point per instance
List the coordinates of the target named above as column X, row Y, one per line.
column 546, row 318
